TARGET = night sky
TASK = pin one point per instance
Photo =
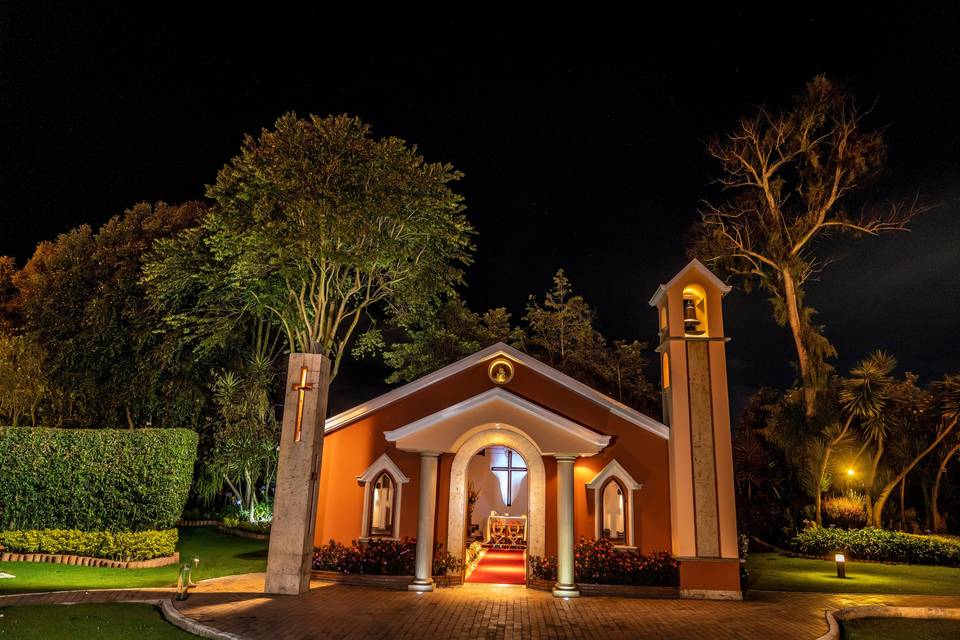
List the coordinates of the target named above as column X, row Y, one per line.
column 581, row 140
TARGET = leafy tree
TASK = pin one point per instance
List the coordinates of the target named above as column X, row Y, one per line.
column 24, row 385
column 451, row 333
column 761, row 475
column 315, row 224
column 790, row 177
column 81, row 298
column 8, row 295
column 245, row 433
column 560, row 331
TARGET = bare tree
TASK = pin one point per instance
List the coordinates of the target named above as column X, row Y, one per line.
column 788, row 177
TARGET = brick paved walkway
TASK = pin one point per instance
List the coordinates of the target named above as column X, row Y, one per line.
column 237, row 605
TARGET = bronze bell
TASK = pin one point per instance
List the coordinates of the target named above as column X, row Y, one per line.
column 690, row 322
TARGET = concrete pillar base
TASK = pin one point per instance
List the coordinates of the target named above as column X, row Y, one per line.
column 565, row 591
column 421, row 586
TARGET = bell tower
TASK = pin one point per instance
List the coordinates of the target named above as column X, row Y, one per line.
column 696, row 408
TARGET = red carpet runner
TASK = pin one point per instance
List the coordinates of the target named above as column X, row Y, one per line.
column 500, row 567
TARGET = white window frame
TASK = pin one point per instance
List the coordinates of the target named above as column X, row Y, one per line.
column 383, row 463
column 614, row 470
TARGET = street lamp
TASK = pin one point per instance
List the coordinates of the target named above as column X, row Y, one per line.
column 841, row 565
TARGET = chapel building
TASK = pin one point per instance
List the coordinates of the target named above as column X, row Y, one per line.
column 501, row 449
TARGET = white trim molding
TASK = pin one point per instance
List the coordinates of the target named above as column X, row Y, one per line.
column 500, row 350
column 614, row 470
column 498, row 399
column 697, row 266
column 381, row 464
column 536, row 488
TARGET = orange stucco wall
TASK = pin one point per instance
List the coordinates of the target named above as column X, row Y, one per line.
column 349, row 450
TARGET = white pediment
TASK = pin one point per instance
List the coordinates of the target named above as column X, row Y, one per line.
column 383, row 463
column 614, row 470
column 446, row 430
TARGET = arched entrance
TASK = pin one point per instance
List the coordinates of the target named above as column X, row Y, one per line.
column 536, row 486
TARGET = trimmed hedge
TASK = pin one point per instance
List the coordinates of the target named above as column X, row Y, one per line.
column 877, row 544
column 128, row 545
column 94, row 479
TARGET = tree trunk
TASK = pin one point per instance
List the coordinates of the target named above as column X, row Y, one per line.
column 818, row 502
column 795, row 321
column 939, row 519
column 927, row 508
column 903, row 518
column 877, row 515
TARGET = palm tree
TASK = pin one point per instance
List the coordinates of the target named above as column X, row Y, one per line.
column 939, row 519
column 863, row 396
column 948, row 392
column 950, row 406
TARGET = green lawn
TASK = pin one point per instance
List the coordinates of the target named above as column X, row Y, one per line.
column 106, row 621
column 220, row 555
column 901, row 629
column 776, row 572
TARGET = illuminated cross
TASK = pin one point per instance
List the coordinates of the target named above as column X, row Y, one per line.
column 301, row 389
column 510, row 469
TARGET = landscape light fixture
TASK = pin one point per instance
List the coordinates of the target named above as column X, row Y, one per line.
column 841, row 565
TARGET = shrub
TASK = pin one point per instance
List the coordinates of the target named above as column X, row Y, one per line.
column 877, row 544
column 122, row 545
column 379, row 557
column 246, row 525
column 848, row 511
column 599, row 562
column 94, row 479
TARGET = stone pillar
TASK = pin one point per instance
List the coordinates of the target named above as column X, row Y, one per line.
column 565, row 587
column 298, row 475
column 426, row 513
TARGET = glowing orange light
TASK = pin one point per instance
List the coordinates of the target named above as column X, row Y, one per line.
column 851, row 472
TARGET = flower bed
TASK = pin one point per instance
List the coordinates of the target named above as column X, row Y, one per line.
column 877, row 544
column 379, row 557
column 599, row 562
column 124, row 546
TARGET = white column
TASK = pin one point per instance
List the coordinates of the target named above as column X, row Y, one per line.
column 426, row 513
column 565, row 587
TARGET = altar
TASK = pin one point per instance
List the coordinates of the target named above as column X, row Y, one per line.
column 505, row 531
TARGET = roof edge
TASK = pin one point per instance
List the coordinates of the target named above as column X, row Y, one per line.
column 693, row 264
column 499, row 349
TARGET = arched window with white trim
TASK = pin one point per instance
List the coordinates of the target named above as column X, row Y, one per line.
column 613, row 490
column 613, row 512
column 382, row 487
column 382, row 505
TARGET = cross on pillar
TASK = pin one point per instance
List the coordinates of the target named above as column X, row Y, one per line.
column 300, row 388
